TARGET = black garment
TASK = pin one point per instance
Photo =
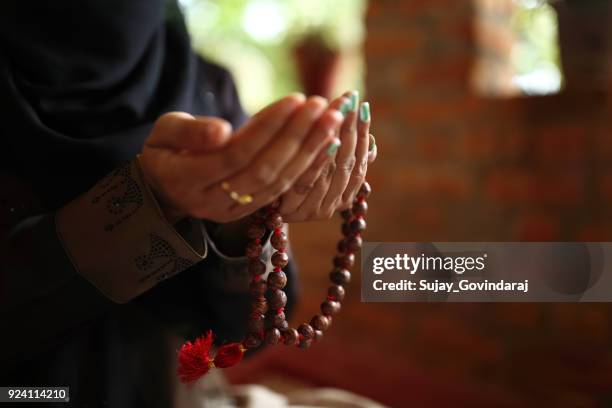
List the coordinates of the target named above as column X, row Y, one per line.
column 81, row 83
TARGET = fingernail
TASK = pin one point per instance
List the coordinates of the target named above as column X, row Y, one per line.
column 345, row 107
column 333, row 147
column 354, row 100
column 372, row 144
column 364, row 112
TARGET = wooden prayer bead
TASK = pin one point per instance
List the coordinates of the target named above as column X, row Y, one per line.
column 306, row 331
column 256, row 324
column 259, row 305
column 346, row 214
column 330, row 307
column 340, row 276
column 342, row 246
column 346, row 229
column 344, row 260
column 336, row 292
column 274, row 220
column 280, row 259
column 273, row 336
column 354, row 243
column 267, row 321
column 256, row 231
column 320, row 322
column 277, row 299
column 350, row 244
column 257, row 267
column 290, row 337
column 364, row 191
column 258, row 288
column 252, row 340
column 360, row 208
column 273, row 327
column 277, row 280
column 254, row 250
column 282, row 325
column 275, row 319
column 357, row 225
column 278, row 240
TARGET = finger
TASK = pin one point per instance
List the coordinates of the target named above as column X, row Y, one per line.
column 244, row 145
column 341, row 104
column 345, row 161
column 175, row 135
column 182, row 131
column 297, row 193
column 262, row 129
column 361, row 155
column 318, row 140
column 267, row 167
column 323, row 143
column 305, row 183
column 311, row 206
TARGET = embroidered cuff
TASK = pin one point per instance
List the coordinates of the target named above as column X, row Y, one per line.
column 118, row 239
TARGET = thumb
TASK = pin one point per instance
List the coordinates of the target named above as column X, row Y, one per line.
column 184, row 132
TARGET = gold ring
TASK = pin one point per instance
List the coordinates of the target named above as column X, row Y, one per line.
column 239, row 198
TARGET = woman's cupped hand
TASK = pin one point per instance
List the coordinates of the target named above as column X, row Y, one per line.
column 310, row 153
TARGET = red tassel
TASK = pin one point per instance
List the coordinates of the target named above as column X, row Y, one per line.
column 229, row 355
column 194, row 358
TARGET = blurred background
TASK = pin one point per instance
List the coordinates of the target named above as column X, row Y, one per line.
column 492, row 119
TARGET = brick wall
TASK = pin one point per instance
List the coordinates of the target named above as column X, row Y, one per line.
column 455, row 164
column 460, row 166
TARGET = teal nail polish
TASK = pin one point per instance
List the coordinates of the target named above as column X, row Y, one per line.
column 345, row 108
column 364, row 112
column 332, row 148
column 354, row 100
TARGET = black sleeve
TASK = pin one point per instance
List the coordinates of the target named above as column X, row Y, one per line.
column 62, row 269
column 220, row 88
column 43, row 297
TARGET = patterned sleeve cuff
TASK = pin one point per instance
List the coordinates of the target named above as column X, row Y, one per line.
column 117, row 237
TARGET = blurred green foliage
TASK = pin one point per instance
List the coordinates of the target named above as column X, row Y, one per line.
column 537, row 48
column 254, row 38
